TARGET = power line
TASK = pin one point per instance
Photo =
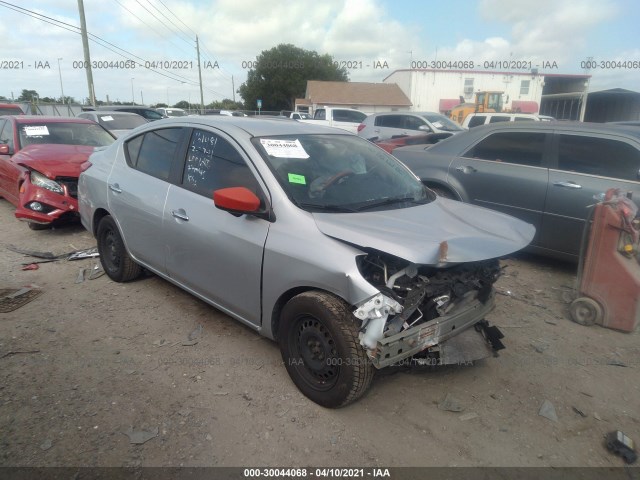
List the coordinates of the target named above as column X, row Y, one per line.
column 178, row 30
column 100, row 41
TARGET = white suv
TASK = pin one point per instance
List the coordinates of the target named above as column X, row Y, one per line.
column 382, row 126
column 477, row 119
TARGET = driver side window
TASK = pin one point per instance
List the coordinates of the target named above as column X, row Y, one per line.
column 213, row 163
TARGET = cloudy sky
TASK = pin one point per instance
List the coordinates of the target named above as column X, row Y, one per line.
column 39, row 35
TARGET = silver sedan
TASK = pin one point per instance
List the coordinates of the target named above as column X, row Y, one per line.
column 309, row 235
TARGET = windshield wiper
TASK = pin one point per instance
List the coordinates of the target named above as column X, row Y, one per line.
column 325, row 207
column 388, row 201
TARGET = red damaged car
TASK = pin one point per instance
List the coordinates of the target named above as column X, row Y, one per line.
column 40, row 160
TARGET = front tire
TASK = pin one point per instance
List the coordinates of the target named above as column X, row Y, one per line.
column 114, row 257
column 39, row 226
column 321, row 351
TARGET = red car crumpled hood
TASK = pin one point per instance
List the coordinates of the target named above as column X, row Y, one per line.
column 54, row 160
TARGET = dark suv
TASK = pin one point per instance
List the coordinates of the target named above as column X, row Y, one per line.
column 546, row 173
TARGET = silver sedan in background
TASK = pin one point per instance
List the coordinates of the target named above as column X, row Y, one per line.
column 311, row 236
column 117, row 123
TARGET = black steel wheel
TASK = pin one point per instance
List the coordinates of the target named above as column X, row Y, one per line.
column 321, row 351
column 115, row 259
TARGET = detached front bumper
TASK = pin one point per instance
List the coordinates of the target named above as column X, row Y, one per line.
column 407, row 343
column 39, row 205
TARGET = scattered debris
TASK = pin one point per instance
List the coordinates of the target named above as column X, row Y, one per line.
column 81, row 275
column 468, row 416
column 139, row 437
column 81, row 254
column 14, row 298
column 221, row 394
column 539, row 347
column 586, row 394
column 579, row 412
column 31, row 266
column 619, row 444
column 195, row 333
column 547, row 410
column 208, row 437
column 450, row 404
column 550, row 321
column 15, row 352
column 33, row 253
column 96, row 271
column 189, row 343
column 46, row 445
column 597, row 417
column 616, row 363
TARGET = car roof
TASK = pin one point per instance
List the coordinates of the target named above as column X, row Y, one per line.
column 122, row 107
column 110, row 112
column 254, row 126
column 48, row 119
column 560, row 125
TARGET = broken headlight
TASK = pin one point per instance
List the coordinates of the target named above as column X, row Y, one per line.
column 41, row 181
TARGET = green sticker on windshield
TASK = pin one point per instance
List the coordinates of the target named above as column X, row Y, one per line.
column 295, row 178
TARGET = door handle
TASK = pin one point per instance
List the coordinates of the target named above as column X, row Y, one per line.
column 567, row 185
column 114, row 187
column 181, row 214
column 466, row 169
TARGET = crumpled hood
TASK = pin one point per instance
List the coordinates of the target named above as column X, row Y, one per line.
column 472, row 233
column 54, row 160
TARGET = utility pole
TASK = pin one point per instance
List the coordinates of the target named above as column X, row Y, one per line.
column 233, row 86
column 200, row 77
column 87, row 57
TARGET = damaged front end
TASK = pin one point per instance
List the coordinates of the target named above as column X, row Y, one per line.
column 423, row 313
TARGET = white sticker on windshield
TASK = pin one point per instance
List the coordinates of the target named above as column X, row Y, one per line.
column 107, row 118
column 437, row 124
column 284, row 148
column 36, row 131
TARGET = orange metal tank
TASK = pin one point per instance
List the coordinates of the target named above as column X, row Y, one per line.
column 609, row 284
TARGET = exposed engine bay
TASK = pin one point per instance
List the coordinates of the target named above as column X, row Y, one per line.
column 421, row 300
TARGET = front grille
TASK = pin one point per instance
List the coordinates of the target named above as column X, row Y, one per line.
column 71, row 184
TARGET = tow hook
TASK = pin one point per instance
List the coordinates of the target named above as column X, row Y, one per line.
column 492, row 334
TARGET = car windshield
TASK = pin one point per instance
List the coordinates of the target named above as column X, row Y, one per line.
column 64, row 133
column 443, row 123
column 118, row 121
column 340, row 173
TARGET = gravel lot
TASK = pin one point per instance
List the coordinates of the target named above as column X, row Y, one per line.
column 88, row 368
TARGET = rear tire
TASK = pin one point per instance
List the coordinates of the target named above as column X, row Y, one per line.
column 114, row 257
column 321, row 351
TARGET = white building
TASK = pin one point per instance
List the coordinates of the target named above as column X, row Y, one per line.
column 440, row 90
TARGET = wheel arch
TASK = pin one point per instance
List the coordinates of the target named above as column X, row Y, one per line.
column 284, row 298
column 98, row 215
column 437, row 184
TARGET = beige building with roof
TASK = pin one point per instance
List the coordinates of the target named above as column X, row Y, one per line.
column 367, row 97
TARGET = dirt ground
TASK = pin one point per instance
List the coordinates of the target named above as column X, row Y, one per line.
column 89, row 367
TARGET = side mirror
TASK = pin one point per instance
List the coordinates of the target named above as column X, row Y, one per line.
column 5, row 149
column 425, row 128
column 238, row 201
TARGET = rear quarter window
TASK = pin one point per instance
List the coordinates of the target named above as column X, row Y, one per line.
column 605, row 157
column 477, row 120
column 153, row 152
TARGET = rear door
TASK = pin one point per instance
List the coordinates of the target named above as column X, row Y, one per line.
column 585, row 165
column 9, row 171
column 138, row 187
column 505, row 171
column 211, row 252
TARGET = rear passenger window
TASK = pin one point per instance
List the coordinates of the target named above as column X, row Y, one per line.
column 213, row 163
column 598, row 156
column 391, row 121
column 154, row 151
column 477, row 120
column 496, row 119
column 523, row 119
column 521, row 148
column 413, row 123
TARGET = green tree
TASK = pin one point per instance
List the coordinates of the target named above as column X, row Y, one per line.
column 159, row 105
column 225, row 104
column 280, row 76
column 28, row 96
column 182, row 104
